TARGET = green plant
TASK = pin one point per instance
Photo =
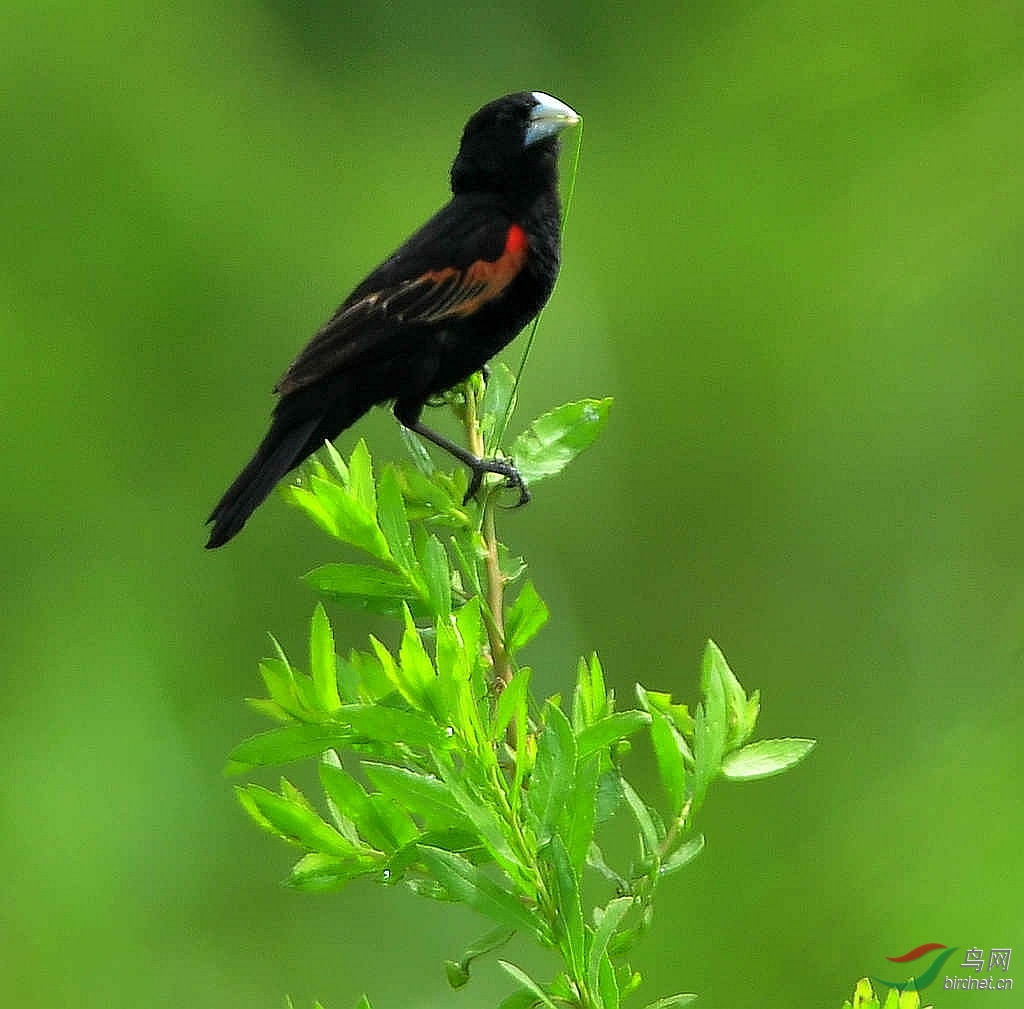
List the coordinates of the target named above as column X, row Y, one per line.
column 864, row 997
column 439, row 768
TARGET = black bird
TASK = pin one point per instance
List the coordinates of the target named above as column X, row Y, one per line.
column 436, row 311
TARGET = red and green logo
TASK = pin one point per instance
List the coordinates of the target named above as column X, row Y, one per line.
column 922, row 980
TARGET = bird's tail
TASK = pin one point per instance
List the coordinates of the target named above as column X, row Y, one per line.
column 284, row 447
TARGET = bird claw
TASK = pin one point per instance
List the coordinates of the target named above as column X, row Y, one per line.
column 503, row 468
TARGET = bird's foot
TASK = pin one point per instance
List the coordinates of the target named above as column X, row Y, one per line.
column 502, row 467
column 477, row 466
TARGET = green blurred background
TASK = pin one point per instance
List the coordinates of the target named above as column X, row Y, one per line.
column 795, row 260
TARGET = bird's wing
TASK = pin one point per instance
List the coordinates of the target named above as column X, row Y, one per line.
column 462, row 258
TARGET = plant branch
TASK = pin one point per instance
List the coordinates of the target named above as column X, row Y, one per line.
column 441, row 808
column 500, row 661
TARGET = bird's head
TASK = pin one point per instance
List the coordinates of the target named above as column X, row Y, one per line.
column 511, row 140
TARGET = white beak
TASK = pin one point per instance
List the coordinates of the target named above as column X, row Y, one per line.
column 549, row 116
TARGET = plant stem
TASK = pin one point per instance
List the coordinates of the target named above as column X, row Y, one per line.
column 496, row 599
column 500, row 661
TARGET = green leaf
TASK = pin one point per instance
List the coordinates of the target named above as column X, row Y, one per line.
column 338, row 464
column 746, row 720
column 360, row 477
column 527, row 982
column 566, row 893
column 580, row 817
column 521, row 998
column 683, row 855
column 317, row 872
column 643, row 816
column 458, row 971
column 362, row 677
column 677, row 714
column 344, row 824
column 765, row 758
column 351, row 521
column 427, row 500
column 269, row 709
column 525, row 757
column 352, row 802
column 496, row 405
column 469, row 622
column 599, row 693
column 400, row 825
column 289, row 743
column 305, row 500
column 740, row 713
column 392, row 725
column 467, row 884
column 596, row 861
column 610, row 730
column 668, row 751
column 363, row 587
column 526, row 616
column 553, row 771
column 455, row 974
column 590, row 702
column 511, row 703
column 279, row 679
column 626, row 938
column 387, row 664
column 711, row 728
column 394, row 522
column 511, row 565
column 609, row 794
column 421, row 794
column 417, row 451
column 560, row 987
column 292, row 820
column 611, row 918
column 582, row 702
column 608, row 986
column 553, row 440
column 417, row 681
column 438, row 576
column 628, row 980
column 671, row 1002
column 323, row 661
column 460, row 687
column 458, row 842
column 488, row 824
column 466, row 555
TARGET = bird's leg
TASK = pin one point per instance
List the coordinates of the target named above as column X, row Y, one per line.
column 477, row 466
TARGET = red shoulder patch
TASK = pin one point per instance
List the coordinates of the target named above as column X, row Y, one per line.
column 516, row 242
column 463, row 292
